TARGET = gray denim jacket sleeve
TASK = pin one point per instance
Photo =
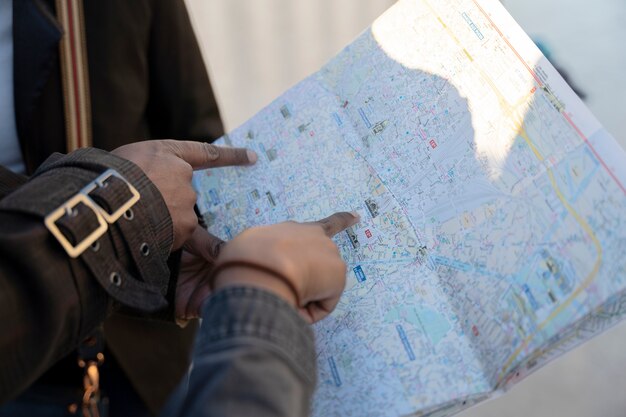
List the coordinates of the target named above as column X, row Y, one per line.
column 254, row 356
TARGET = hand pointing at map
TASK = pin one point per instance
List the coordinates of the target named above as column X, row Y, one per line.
column 297, row 261
column 170, row 164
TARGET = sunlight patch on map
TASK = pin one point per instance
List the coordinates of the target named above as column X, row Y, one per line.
column 491, row 91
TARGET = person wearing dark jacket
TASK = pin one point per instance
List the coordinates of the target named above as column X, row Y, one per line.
column 88, row 234
column 146, row 80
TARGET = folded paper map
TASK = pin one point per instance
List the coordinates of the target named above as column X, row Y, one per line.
column 493, row 207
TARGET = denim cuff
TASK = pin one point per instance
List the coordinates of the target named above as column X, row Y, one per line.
column 251, row 315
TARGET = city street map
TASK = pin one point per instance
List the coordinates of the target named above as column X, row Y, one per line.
column 493, row 208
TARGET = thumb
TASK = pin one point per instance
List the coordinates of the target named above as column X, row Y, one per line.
column 203, row 244
column 202, row 155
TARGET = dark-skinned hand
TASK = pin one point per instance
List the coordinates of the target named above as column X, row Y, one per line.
column 169, row 164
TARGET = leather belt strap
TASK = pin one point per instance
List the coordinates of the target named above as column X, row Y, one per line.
column 83, row 219
column 74, row 74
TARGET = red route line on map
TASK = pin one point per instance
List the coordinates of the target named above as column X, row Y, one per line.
column 569, row 120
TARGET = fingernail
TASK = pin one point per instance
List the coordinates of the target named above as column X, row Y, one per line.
column 252, row 156
column 356, row 215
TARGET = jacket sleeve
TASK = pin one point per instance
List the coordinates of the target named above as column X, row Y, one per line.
column 254, row 356
column 50, row 301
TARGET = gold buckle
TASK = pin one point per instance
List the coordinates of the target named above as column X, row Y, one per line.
column 101, row 214
column 99, row 182
column 66, row 208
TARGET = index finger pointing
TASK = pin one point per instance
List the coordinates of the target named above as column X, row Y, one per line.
column 201, row 155
column 337, row 222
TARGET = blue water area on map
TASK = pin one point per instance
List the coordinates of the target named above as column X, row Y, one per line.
column 452, row 263
column 435, row 325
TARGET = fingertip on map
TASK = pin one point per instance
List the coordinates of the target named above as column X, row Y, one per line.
column 252, row 156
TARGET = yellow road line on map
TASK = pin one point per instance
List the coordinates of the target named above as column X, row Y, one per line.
column 503, row 103
column 510, row 110
column 588, row 280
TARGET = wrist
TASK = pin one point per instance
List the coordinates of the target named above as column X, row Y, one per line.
column 252, row 277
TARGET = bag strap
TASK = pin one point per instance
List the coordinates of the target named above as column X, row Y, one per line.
column 74, row 74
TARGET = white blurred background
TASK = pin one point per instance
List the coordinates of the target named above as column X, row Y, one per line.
column 256, row 49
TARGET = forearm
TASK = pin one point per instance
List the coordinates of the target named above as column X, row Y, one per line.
column 50, row 301
column 254, row 356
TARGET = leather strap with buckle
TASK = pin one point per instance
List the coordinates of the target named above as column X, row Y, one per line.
column 123, row 197
column 106, row 226
column 104, row 216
